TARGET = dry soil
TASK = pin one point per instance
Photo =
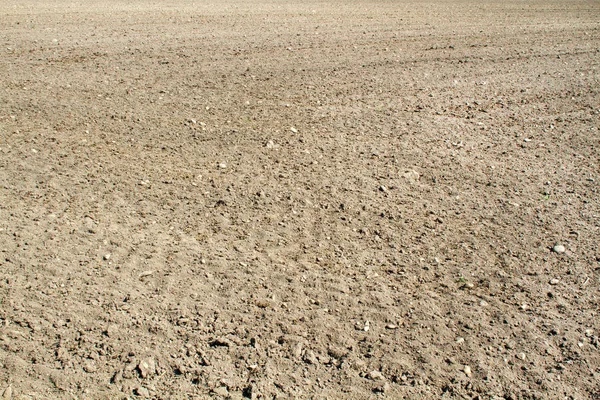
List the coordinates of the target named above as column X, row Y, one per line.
column 299, row 199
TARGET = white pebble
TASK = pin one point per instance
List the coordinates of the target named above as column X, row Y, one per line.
column 467, row 370
column 559, row 248
column 589, row 332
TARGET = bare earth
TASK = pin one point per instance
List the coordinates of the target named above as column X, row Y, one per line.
column 292, row 199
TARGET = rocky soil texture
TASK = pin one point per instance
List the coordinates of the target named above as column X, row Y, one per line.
column 299, row 199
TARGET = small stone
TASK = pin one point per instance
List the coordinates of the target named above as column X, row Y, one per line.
column 90, row 367
column 375, row 375
column 7, row 394
column 222, row 165
column 106, row 257
column 112, row 331
column 524, row 306
column 460, row 340
column 558, row 248
column 147, row 367
column 467, row 370
column 142, row 391
column 294, row 130
column 589, row 332
column 554, row 281
column 483, row 303
column 411, row 176
column 521, row 356
column 310, row 358
column 391, row 326
column 382, row 188
column 298, row 350
column 367, row 326
column 270, row 144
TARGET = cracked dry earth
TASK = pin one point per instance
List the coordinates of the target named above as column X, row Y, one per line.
column 283, row 199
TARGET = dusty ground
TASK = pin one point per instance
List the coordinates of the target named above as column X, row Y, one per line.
column 286, row 199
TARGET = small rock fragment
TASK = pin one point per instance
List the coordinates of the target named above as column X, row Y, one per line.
column 147, row 367
column 106, row 257
column 7, row 394
column 467, row 370
column 142, row 391
column 90, row 367
column 521, row 356
column 112, row 331
column 270, row 144
column 391, row 326
column 383, row 188
column 589, row 332
column 460, row 340
column 298, row 350
column 310, row 358
column 558, row 248
column 554, row 281
column 375, row 375
column 222, row 165
column 411, row 176
column 294, row 130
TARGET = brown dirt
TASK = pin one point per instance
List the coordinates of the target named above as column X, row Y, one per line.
column 212, row 199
